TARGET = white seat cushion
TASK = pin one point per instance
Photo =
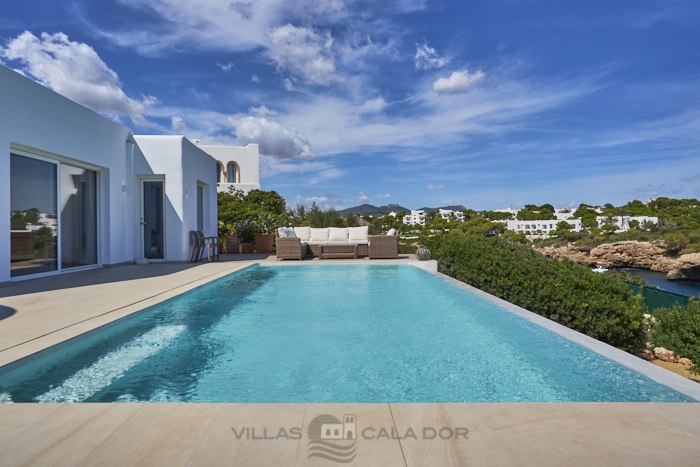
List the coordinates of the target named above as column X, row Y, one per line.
column 358, row 242
column 337, row 242
column 319, row 235
column 303, row 233
column 318, row 242
column 358, row 233
column 284, row 232
column 338, row 234
column 391, row 232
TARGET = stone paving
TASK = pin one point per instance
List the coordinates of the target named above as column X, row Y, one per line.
column 38, row 314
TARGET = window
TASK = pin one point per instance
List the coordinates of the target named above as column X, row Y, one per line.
column 200, row 208
column 232, row 173
column 219, row 172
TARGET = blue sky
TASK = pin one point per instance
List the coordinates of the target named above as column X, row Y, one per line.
column 489, row 104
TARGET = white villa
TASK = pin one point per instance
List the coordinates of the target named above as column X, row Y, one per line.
column 415, row 218
column 446, row 214
column 623, row 222
column 236, row 166
column 106, row 196
column 531, row 228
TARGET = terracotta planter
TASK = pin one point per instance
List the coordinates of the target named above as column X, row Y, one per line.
column 232, row 244
column 247, row 248
column 263, row 242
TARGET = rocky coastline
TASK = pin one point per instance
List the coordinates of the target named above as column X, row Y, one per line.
column 630, row 254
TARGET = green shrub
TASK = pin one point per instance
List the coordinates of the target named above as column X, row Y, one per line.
column 678, row 329
column 598, row 305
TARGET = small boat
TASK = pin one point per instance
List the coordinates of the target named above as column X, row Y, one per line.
column 599, row 268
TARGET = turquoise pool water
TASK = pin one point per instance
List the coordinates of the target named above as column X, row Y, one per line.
column 328, row 333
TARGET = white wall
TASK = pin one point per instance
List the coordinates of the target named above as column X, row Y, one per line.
column 247, row 159
column 182, row 165
column 42, row 122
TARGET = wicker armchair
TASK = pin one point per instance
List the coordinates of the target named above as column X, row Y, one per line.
column 290, row 248
column 383, row 246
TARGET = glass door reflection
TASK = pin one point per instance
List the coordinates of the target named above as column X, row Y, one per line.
column 152, row 220
column 33, row 216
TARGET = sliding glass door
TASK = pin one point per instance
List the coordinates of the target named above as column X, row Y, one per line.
column 33, row 216
column 53, row 216
column 78, row 217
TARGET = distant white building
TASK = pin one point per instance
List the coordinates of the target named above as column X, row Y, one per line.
column 446, row 214
column 511, row 211
column 236, row 166
column 531, row 228
column 416, row 217
column 623, row 222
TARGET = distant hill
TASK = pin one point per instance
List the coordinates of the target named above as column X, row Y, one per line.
column 458, row 207
column 373, row 210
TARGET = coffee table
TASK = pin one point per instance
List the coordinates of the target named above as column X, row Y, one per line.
column 338, row 251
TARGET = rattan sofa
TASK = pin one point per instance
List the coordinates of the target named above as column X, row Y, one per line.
column 290, row 242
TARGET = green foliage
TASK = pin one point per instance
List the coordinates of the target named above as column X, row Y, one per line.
column 264, row 222
column 238, row 212
column 20, row 219
column 516, row 237
column 676, row 241
column 634, row 224
column 598, row 305
column 497, row 216
column 678, row 329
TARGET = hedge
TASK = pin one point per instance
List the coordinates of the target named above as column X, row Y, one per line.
column 678, row 329
column 598, row 305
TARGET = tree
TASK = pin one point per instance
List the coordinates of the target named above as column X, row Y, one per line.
column 563, row 225
column 610, row 228
column 634, row 224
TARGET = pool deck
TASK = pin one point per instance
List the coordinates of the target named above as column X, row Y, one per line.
column 38, row 314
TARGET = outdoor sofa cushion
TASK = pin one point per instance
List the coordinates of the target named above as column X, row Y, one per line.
column 336, row 234
column 319, row 235
column 391, row 232
column 303, row 233
column 284, row 232
column 358, row 233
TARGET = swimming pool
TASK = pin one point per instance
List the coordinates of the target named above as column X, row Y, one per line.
column 328, row 333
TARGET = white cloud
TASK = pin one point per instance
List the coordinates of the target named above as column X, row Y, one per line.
column 458, row 82
column 500, row 201
column 246, row 10
column 255, row 79
column 273, row 138
column 330, row 200
column 382, row 196
column 372, row 106
column 288, row 85
column 178, row 125
column 304, row 52
column 688, row 179
column 447, row 201
column 225, row 66
column 261, row 111
column 75, row 71
column 426, row 57
column 435, row 187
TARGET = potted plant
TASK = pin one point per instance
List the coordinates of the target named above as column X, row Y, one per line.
column 244, row 230
column 264, row 224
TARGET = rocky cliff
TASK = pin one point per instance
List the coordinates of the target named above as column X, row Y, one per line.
column 642, row 255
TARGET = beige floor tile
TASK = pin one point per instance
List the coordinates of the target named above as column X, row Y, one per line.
column 373, row 446
column 684, row 415
column 222, row 446
column 542, row 434
column 66, row 436
column 639, row 434
column 156, row 435
column 15, row 418
column 478, row 447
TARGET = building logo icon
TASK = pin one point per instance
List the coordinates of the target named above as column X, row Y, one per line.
column 333, row 439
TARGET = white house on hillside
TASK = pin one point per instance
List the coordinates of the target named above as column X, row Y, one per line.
column 236, row 166
column 531, row 228
column 79, row 191
column 416, row 217
column 446, row 214
column 623, row 222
